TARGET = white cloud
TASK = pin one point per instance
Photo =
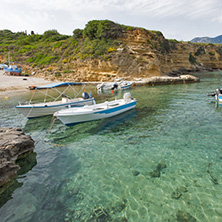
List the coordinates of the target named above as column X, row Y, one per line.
column 66, row 15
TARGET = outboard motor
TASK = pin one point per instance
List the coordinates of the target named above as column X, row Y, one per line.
column 115, row 86
column 218, row 91
column 127, row 97
column 85, row 95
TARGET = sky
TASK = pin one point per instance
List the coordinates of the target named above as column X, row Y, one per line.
column 182, row 20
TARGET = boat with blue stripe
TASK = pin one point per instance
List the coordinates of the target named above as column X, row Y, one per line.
column 13, row 70
column 56, row 101
column 87, row 113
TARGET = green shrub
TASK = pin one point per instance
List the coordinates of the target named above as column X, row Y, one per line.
column 78, row 33
column 200, row 51
column 57, row 45
column 48, row 60
column 192, row 59
column 57, row 74
column 99, row 29
column 164, row 46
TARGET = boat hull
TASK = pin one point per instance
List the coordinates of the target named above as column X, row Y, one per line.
column 11, row 71
column 35, row 110
column 125, row 86
column 218, row 97
column 70, row 116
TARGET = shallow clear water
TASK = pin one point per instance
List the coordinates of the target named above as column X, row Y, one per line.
column 159, row 162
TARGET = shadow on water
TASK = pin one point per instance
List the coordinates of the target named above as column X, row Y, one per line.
column 25, row 165
column 37, row 124
column 61, row 134
column 54, row 196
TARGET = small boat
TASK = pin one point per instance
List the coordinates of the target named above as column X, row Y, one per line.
column 61, row 101
column 217, row 94
column 124, row 85
column 3, row 66
column 119, row 84
column 13, row 70
column 86, row 113
column 107, row 86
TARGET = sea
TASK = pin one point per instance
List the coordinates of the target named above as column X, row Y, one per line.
column 161, row 161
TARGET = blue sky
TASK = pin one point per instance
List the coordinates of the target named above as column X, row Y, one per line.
column 176, row 19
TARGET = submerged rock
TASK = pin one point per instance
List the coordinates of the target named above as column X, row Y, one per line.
column 178, row 192
column 185, row 217
column 100, row 214
column 156, row 172
column 135, row 173
column 14, row 144
column 212, row 178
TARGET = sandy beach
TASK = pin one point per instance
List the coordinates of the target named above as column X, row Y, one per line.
column 21, row 83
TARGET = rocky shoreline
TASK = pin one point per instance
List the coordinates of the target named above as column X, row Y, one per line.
column 14, row 145
column 161, row 80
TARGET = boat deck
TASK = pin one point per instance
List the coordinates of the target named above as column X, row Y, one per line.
column 53, row 103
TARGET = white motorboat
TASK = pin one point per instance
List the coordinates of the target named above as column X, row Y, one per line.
column 124, row 85
column 61, row 101
column 118, row 84
column 86, row 113
column 107, row 86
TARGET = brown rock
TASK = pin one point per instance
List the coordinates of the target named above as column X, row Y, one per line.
column 14, row 144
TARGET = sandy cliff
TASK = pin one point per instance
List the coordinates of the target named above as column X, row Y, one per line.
column 143, row 55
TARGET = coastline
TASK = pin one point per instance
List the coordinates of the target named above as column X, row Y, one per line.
column 21, row 83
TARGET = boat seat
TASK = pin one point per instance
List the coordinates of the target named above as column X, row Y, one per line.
column 65, row 100
column 116, row 104
column 98, row 109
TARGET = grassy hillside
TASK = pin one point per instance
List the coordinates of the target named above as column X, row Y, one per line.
column 97, row 40
column 104, row 50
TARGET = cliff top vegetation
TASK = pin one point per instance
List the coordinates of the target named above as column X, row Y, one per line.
column 99, row 38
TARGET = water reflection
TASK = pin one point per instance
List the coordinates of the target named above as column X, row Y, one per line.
column 26, row 165
column 38, row 124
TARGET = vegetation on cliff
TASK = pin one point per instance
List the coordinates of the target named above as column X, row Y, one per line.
column 97, row 39
column 106, row 47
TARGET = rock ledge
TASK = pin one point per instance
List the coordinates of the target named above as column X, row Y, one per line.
column 14, row 144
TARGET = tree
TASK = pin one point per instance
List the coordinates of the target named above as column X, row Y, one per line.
column 102, row 29
column 91, row 29
column 109, row 30
column 50, row 33
column 78, row 33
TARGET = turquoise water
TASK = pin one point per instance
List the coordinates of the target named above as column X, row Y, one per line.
column 159, row 162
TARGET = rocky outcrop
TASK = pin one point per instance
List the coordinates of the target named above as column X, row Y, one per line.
column 140, row 57
column 14, row 144
column 166, row 80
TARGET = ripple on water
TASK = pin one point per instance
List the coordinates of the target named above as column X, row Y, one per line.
column 163, row 163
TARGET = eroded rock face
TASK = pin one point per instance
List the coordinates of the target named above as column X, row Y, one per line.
column 142, row 54
column 14, row 144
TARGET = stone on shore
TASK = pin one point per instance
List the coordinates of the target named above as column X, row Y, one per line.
column 14, row 144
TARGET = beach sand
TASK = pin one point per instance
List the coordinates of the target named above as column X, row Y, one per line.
column 21, row 83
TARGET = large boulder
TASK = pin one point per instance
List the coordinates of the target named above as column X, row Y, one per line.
column 14, row 144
